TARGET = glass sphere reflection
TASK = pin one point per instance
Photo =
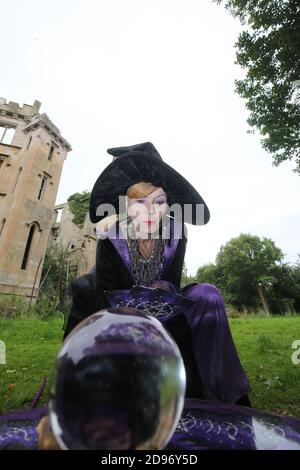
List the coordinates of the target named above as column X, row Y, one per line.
column 118, row 383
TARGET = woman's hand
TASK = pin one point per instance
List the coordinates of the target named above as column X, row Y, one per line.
column 161, row 284
column 47, row 440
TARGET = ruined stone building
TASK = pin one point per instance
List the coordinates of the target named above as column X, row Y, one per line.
column 32, row 154
column 80, row 241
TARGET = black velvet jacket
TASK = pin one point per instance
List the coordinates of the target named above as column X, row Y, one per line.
column 112, row 271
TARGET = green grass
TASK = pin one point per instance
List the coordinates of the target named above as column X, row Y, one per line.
column 264, row 346
column 31, row 347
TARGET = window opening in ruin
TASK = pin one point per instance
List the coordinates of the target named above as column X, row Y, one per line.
column 59, row 214
column 42, row 188
column 6, row 134
column 2, row 226
column 52, row 148
column 17, row 178
column 27, row 248
column 29, row 142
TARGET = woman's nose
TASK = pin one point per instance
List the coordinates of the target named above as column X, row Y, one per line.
column 151, row 209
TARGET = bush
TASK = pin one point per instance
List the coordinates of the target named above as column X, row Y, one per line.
column 232, row 312
column 12, row 305
column 288, row 306
column 45, row 308
column 16, row 306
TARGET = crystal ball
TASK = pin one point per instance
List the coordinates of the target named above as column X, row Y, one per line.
column 118, row 383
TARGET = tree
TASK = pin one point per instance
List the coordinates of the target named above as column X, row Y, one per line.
column 269, row 51
column 79, row 206
column 246, row 265
column 287, row 289
column 185, row 277
column 208, row 273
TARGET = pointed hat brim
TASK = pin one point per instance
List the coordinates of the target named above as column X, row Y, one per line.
column 135, row 166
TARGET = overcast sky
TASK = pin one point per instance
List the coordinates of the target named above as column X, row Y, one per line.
column 121, row 72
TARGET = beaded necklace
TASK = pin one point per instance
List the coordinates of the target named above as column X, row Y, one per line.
column 145, row 271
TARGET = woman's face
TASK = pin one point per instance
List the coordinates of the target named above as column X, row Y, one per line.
column 147, row 212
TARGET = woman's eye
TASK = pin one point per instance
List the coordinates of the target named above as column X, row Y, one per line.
column 159, row 201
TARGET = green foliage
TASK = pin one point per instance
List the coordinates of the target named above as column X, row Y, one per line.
column 286, row 294
column 269, row 51
column 79, row 206
column 185, row 278
column 17, row 307
column 208, row 273
column 59, row 269
column 45, row 308
column 252, row 277
column 12, row 305
column 246, row 269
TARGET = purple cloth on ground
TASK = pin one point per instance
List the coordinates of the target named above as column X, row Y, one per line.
column 203, row 425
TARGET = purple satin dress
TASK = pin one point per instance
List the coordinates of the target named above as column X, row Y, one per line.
column 219, row 366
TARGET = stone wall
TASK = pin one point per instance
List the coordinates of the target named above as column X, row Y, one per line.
column 30, row 168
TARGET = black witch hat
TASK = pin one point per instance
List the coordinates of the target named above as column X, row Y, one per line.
column 142, row 162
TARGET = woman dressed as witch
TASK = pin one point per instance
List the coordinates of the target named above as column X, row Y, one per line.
column 146, row 247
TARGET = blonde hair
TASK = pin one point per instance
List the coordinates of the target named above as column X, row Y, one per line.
column 141, row 189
